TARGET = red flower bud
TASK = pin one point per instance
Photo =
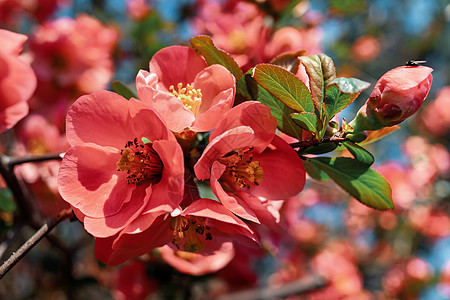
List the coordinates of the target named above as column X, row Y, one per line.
column 397, row 95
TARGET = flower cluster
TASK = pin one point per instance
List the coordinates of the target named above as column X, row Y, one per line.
column 125, row 172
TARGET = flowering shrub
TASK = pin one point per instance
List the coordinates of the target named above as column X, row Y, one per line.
column 227, row 161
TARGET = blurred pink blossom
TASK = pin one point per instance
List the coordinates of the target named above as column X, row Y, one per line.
column 435, row 117
column 365, row 48
column 71, row 57
column 17, row 80
column 138, row 9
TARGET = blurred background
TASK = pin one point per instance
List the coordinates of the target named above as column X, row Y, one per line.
column 79, row 46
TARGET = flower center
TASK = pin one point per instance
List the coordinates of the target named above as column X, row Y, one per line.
column 141, row 162
column 238, row 41
column 191, row 230
column 190, row 97
column 241, row 170
column 36, row 146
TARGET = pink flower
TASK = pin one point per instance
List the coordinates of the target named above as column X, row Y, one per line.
column 435, row 118
column 397, row 95
column 365, row 48
column 124, row 169
column 187, row 93
column 337, row 264
column 13, row 11
column 72, row 57
column 290, row 39
column 17, row 80
column 202, row 228
column 249, row 166
column 237, row 27
column 36, row 136
column 138, row 9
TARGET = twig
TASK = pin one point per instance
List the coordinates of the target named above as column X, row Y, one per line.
column 300, row 286
column 28, row 245
column 12, row 161
column 28, row 213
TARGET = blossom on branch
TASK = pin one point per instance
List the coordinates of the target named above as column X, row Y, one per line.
column 204, row 228
column 188, row 94
column 250, row 167
column 124, row 169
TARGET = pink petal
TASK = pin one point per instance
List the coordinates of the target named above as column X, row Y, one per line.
column 17, row 80
column 233, row 139
column 113, row 224
column 12, row 43
column 284, row 175
column 232, row 203
column 128, row 246
column 198, row 264
column 212, row 81
column 218, row 90
column 146, row 122
column 172, row 111
column 103, row 248
column 89, row 181
column 266, row 214
column 253, row 114
column 12, row 114
column 101, row 118
column 220, row 218
column 209, row 119
column 176, row 64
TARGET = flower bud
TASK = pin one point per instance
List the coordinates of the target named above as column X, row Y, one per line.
column 397, row 95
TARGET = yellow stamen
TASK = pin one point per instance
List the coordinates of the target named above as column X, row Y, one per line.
column 141, row 162
column 190, row 97
column 241, row 170
column 190, row 230
column 36, row 146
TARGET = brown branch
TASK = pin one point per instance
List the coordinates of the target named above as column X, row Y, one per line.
column 301, row 286
column 12, row 161
column 28, row 245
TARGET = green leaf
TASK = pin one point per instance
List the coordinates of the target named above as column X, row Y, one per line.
column 320, row 149
column 358, row 179
column 307, row 121
column 321, row 71
column 6, row 201
column 205, row 47
column 281, row 112
column 340, row 93
column 359, row 153
column 285, row 86
column 314, row 171
column 123, row 90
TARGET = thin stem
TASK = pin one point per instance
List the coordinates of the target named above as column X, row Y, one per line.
column 28, row 214
column 301, row 286
column 12, row 161
column 28, row 245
